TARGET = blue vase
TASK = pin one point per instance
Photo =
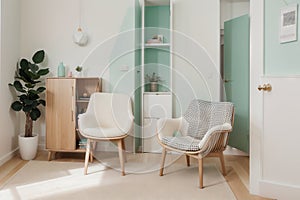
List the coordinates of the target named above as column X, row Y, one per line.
column 61, row 72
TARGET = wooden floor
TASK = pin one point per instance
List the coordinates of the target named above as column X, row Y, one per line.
column 237, row 170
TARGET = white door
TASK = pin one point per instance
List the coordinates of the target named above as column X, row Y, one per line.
column 274, row 121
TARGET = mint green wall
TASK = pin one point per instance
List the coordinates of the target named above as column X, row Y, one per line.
column 280, row 59
column 123, row 81
column 157, row 16
column 137, row 92
column 157, row 60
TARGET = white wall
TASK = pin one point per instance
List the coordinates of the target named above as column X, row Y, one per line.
column 197, row 48
column 9, row 122
column 49, row 25
column 233, row 8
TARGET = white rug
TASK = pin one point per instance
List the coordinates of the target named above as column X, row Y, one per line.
column 65, row 180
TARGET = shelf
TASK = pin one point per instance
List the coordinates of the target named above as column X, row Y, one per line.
column 157, row 93
column 82, row 101
column 156, row 45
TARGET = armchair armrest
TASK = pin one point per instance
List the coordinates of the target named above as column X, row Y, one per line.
column 166, row 127
column 224, row 128
column 128, row 126
column 86, row 120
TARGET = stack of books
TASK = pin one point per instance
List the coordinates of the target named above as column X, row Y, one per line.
column 82, row 143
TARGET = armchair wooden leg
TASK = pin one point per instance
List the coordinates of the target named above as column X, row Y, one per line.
column 92, row 149
column 200, row 161
column 163, row 158
column 221, row 156
column 87, row 156
column 188, row 163
column 124, row 150
column 121, row 156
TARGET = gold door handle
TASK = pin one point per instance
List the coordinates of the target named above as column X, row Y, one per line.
column 265, row 87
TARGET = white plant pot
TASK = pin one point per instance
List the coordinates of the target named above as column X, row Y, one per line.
column 28, row 147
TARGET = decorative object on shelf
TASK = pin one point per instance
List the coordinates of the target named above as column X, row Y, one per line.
column 85, row 95
column 160, row 38
column 78, row 71
column 156, row 39
column 79, row 36
column 27, row 83
column 61, row 70
column 70, row 74
column 153, row 80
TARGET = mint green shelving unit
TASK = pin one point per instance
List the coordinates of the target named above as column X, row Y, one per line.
column 156, row 58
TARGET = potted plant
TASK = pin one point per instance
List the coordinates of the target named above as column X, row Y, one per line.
column 79, row 71
column 27, row 84
column 153, row 80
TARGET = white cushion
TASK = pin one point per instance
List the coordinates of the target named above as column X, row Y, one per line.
column 103, row 132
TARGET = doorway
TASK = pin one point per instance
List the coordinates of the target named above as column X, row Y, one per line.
column 235, row 68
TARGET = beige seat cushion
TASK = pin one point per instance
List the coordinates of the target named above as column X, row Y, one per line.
column 103, row 132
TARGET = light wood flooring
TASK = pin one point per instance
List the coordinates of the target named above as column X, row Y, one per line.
column 237, row 170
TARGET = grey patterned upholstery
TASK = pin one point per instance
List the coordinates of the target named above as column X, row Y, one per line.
column 204, row 130
column 203, row 115
column 185, row 143
column 200, row 116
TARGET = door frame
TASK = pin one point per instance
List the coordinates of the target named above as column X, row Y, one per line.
column 256, row 98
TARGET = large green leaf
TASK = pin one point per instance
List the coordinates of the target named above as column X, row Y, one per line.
column 43, row 72
column 38, row 57
column 41, row 89
column 32, row 75
column 23, row 97
column 19, row 87
column 29, row 85
column 26, row 78
column 28, row 101
column 33, row 96
column 33, row 92
column 35, row 114
column 33, row 67
column 43, row 102
column 27, row 108
column 35, row 104
column 16, row 106
column 24, row 64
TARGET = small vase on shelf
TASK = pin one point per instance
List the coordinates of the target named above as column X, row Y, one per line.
column 61, row 71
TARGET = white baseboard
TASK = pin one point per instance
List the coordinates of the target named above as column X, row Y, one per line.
column 8, row 156
column 279, row 191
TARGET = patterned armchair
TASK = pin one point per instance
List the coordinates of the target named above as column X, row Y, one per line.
column 202, row 131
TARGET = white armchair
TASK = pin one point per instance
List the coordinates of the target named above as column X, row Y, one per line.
column 108, row 118
column 202, row 131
